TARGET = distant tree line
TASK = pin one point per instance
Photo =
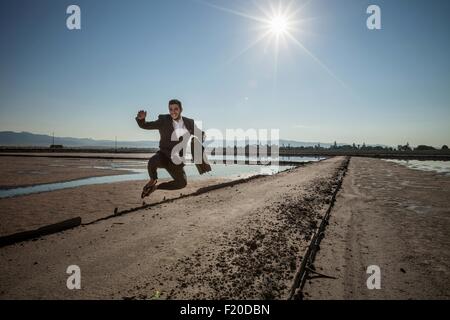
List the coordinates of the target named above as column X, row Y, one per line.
column 364, row 147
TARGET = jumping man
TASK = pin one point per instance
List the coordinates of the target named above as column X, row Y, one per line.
column 173, row 129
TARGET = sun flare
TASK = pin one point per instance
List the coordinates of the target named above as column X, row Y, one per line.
column 279, row 25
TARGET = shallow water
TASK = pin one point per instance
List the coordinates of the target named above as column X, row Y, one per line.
column 242, row 158
column 137, row 170
column 426, row 165
column 234, row 171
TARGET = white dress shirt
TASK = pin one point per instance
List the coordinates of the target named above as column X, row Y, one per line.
column 179, row 127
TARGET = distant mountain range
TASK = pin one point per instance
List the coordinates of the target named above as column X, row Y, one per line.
column 9, row 138
column 19, row 139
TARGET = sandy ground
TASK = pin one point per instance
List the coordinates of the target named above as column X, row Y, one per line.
column 237, row 242
column 26, row 171
column 393, row 217
column 88, row 202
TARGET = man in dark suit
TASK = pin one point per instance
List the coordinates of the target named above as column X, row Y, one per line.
column 175, row 131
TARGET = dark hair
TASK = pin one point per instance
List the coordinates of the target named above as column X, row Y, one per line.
column 177, row 102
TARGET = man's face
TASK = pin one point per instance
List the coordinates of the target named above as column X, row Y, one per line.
column 174, row 111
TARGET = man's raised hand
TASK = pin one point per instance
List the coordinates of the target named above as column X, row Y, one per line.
column 142, row 114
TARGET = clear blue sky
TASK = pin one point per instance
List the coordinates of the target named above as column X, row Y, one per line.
column 393, row 83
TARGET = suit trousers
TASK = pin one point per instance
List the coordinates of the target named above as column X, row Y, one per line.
column 160, row 160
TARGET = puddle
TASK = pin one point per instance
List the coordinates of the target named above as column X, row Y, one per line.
column 425, row 165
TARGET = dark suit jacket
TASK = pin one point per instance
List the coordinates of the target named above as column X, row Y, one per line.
column 164, row 124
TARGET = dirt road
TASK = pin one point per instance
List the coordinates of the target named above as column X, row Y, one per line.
column 393, row 217
column 238, row 242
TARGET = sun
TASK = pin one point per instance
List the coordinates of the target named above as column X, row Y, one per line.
column 278, row 25
column 279, row 22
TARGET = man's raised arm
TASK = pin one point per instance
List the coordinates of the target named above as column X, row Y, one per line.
column 151, row 125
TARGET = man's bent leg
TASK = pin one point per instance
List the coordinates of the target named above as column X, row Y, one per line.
column 179, row 177
column 154, row 163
